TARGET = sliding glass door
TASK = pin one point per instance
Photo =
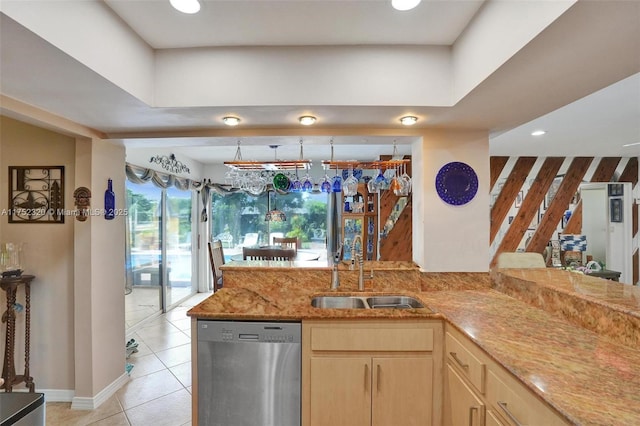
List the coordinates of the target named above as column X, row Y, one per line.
column 144, row 252
column 159, row 250
column 179, row 283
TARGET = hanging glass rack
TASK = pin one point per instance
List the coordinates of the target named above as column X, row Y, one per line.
column 269, row 165
column 368, row 165
column 382, row 165
column 275, row 165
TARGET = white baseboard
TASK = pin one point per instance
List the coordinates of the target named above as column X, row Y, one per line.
column 91, row 403
column 53, row 395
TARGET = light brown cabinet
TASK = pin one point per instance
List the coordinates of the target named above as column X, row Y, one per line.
column 465, row 407
column 371, row 373
column 474, row 380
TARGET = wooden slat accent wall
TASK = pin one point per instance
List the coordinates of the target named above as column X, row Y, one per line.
column 496, row 164
column 630, row 172
column 604, row 172
column 606, row 169
column 387, row 201
column 509, row 192
column 398, row 243
column 529, row 206
column 574, row 226
column 553, row 214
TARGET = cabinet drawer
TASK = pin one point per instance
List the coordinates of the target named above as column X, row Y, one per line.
column 517, row 404
column 371, row 339
column 471, row 367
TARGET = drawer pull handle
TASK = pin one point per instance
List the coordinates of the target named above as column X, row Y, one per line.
column 378, row 377
column 509, row 414
column 471, row 410
column 460, row 363
column 366, row 375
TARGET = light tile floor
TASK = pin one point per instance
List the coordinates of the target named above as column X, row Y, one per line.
column 159, row 390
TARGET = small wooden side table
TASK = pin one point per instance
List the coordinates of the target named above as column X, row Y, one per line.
column 10, row 286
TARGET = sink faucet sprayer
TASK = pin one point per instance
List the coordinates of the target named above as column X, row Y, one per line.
column 360, row 256
column 335, row 278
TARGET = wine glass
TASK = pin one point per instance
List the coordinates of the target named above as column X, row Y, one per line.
column 350, row 185
column 396, row 184
column 281, row 182
column 257, row 185
column 407, row 181
column 307, row 185
column 337, row 182
column 381, row 180
column 296, row 185
column 372, row 186
column 326, row 185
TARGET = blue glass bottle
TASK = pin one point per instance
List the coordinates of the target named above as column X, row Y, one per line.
column 109, row 201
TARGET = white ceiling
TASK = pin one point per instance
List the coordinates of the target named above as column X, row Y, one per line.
column 549, row 82
column 296, row 23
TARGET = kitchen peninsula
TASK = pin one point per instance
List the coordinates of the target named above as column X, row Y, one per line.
column 577, row 375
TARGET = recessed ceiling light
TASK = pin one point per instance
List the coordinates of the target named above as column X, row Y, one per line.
column 538, row 132
column 231, row 121
column 408, row 120
column 186, row 6
column 404, row 4
column 307, row 120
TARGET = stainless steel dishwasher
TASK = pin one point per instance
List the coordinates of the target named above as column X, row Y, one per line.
column 248, row 373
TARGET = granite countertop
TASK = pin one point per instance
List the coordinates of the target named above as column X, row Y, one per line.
column 285, row 303
column 270, row 265
column 586, row 376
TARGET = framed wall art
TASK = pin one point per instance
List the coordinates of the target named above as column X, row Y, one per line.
column 615, row 210
column 36, row 194
column 551, row 193
column 519, row 198
column 615, row 189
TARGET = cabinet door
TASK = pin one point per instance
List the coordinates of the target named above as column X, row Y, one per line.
column 462, row 406
column 492, row 419
column 340, row 391
column 402, row 391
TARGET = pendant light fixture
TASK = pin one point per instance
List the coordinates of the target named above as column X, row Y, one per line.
column 274, row 215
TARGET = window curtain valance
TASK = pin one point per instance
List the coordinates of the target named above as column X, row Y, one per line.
column 140, row 175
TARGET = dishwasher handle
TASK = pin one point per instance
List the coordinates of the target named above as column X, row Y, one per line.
column 251, row 337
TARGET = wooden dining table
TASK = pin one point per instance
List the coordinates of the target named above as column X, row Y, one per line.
column 302, row 255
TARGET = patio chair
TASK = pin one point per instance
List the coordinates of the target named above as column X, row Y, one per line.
column 250, row 239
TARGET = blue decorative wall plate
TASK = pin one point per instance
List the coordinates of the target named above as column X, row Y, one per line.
column 456, row 183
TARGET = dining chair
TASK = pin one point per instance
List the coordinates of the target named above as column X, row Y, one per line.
column 216, row 256
column 249, row 253
column 287, row 242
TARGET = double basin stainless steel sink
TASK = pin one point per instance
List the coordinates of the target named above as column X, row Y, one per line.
column 366, row 302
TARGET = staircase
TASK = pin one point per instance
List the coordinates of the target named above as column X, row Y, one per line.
column 397, row 244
